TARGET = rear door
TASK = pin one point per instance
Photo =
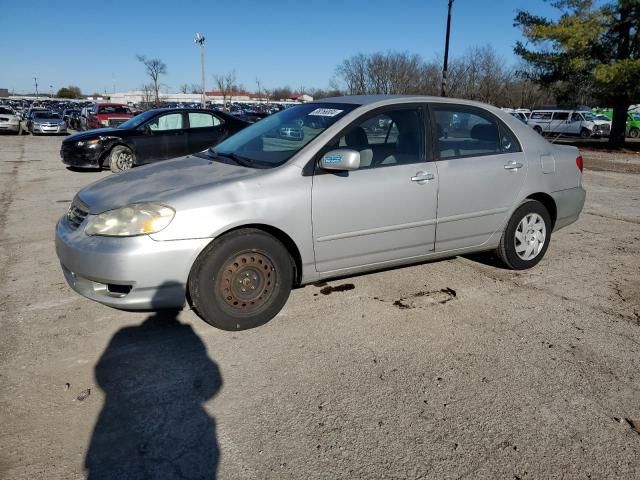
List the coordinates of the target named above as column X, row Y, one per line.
column 205, row 130
column 164, row 136
column 481, row 169
column 386, row 210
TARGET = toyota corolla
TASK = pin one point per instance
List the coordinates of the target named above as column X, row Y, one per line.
column 232, row 230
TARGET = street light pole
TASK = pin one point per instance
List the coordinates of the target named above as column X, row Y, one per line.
column 443, row 91
column 199, row 39
column 35, row 80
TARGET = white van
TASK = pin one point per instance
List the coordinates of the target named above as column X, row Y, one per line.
column 569, row 122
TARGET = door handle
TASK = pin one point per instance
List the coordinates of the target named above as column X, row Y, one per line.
column 513, row 166
column 421, row 177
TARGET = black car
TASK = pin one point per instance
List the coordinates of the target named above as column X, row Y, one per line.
column 151, row 136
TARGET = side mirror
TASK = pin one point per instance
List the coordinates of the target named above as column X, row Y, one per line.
column 341, row 159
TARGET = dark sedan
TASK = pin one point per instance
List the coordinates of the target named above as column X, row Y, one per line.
column 149, row 137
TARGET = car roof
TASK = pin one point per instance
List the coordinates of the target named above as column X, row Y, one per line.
column 383, row 100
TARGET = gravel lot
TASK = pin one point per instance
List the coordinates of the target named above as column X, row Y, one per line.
column 451, row 369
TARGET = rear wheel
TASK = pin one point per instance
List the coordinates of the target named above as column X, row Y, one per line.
column 526, row 238
column 634, row 133
column 121, row 158
column 242, row 280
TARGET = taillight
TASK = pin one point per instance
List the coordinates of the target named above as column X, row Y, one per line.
column 579, row 162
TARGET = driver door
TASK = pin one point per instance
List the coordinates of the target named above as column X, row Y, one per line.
column 384, row 211
column 161, row 138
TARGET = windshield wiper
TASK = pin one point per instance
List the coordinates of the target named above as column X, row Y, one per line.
column 239, row 160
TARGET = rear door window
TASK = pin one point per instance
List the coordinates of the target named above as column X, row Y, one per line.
column 464, row 132
column 203, row 120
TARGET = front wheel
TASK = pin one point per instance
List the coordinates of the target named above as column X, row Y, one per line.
column 242, row 280
column 584, row 133
column 526, row 238
column 634, row 133
column 121, row 159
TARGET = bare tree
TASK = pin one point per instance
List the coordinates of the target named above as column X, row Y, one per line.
column 281, row 93
column 481, row 74
column 154, row 68
column 147, row 91
column 226, row 85
column 184, row 88
column 195, row 88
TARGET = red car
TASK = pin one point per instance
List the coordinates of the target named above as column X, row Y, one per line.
column 100, row 115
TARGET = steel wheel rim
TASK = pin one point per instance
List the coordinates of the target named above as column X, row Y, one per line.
column 530, row 236
column 247, row 282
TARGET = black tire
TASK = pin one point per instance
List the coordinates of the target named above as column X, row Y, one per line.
column 538, row 130
column 247, row 258
column 121, row 158
column 507, row 249
column 585, row 133
column 634, row 133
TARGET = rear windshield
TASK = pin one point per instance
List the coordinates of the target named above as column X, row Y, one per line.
column 5, row 111
column 106, row 109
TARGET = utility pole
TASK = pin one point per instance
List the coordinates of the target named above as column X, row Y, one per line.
column 35, row 80
column 199, row 39
column 443, row 91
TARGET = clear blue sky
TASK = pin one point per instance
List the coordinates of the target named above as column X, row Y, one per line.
column 298, row 43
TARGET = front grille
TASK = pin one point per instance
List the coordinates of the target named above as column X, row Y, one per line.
column 114, row 122
column 77, row 213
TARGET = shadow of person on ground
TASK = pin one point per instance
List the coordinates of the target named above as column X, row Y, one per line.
column 156, row 377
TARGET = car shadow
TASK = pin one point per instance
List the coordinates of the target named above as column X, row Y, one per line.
column 486, row 258
column 155, row 377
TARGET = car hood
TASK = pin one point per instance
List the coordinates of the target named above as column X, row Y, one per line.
column 91, row 134
column 170, row 182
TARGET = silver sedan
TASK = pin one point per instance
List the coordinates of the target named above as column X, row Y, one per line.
column 47, row 123
column 366, row 183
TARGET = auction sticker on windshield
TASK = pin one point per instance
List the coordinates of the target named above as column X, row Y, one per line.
column 326, row 112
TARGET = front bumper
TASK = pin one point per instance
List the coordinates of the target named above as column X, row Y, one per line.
column 10, row 127
column 75, row 156
column 43, row 129
column 128, row 273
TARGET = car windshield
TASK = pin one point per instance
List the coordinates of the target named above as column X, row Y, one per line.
column 106, row 109
column 138, row 120
column 635, row 116
column 589, row 116
column 46, row 116
column 275, row 139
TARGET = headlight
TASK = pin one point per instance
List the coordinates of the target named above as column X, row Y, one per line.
column 88, row 142
column 105, row 122
column 36, row 124
column 135, row 219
